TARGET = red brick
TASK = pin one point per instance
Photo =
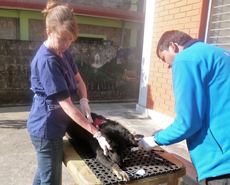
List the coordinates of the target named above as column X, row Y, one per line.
column 195, row 18
column 167, row 28
column 194, row 35
column 162, row 80
column 170, row 103
column 185, row 20
column 158, row 29
column 178, row 27
column 153, row 89
column 160, row 101
column 167, row 76
column 158, row 75
column 191, row 25
column 164, row 107
column 163, row 70
column 173, row 22
column 160, row 9
column 186, row 8
column 181, row 3
column 153, row 79
column 158, row 1
column 161, row 90
column 170, row 92
column 197, row 5
column 158, row 19
column 169, row 6
column 174, row 11
column 163, row 23
column 156, row 94
column 163, row 13
column 172, row 109
column 154, row 69
column 165, row 97
column 167, row 86
column 193, row 12
column 160, row 110
column 164, row 2
column 169, row 17
column 157, row 4
column 157, row 84
column 159, row 64
column 173, row 1
column 193, row 1
column 179, row 15
column 194, row 31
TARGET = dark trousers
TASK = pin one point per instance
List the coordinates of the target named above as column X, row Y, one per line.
column 49, row 157
column 220, row 180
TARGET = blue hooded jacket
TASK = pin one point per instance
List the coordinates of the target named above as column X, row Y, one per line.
column 201, row 85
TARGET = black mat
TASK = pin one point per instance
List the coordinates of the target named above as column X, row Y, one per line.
column 150, row 162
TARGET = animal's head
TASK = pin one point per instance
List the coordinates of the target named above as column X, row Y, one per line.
column 119, row 139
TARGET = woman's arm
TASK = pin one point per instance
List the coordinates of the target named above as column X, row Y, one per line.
column 77, row 116
column 84, row 105
column 81, row 86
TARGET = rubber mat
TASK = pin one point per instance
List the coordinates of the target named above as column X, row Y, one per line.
column 150, row 162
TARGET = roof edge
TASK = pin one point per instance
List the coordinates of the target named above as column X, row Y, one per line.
column 81, row 9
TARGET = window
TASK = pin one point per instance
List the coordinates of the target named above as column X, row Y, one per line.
column 218, row 26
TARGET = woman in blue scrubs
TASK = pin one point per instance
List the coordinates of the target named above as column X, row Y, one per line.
column 55, row 80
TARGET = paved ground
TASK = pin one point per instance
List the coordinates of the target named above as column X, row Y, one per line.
column 17, row 155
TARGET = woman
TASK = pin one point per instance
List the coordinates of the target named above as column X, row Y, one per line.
column 55, row 80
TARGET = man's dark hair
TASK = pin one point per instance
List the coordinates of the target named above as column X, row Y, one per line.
column 174, row 36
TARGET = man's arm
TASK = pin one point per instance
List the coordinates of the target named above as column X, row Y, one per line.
column 190, row 99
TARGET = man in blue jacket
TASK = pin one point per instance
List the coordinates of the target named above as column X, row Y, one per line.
column 201, row 85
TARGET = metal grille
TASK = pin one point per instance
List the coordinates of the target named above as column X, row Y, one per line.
column 218, row 30
column 151, row 162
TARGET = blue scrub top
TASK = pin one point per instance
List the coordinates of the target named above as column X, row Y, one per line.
column 50, row 74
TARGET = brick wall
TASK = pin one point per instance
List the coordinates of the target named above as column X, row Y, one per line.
column 16, row 56
column 184, row 15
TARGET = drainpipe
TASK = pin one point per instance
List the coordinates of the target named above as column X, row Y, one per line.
column 207, row 23
column 122, row 34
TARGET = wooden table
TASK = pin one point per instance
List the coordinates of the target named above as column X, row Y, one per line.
column 84, row 176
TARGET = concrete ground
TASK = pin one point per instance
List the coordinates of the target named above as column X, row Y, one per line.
column 18, row 158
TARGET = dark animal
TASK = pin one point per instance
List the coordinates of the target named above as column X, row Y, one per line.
column 116, row 135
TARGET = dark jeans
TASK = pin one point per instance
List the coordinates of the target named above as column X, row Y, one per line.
column 49, row 157
column 220, row 180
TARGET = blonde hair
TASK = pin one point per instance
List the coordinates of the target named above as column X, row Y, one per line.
column 57, row 13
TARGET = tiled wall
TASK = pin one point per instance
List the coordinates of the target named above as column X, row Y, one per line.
column 184, row 15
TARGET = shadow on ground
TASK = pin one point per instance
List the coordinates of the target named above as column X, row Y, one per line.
column 12, row 124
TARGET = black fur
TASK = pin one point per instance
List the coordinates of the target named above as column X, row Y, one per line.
column 116, row 135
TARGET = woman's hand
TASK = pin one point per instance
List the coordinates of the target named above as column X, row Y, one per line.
column 102, row 142
column 85, row 109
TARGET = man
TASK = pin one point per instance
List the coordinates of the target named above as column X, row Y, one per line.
column 201, row 84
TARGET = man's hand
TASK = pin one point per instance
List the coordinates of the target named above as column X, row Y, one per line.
column 86, row 111
column 103, row 143
column 147, row 143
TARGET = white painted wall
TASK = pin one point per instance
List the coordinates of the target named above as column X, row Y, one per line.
column 146, row 54
column 145, row 66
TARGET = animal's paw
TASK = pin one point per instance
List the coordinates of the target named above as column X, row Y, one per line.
column 119, row 173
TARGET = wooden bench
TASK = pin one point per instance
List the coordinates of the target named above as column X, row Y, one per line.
column 84, row 176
